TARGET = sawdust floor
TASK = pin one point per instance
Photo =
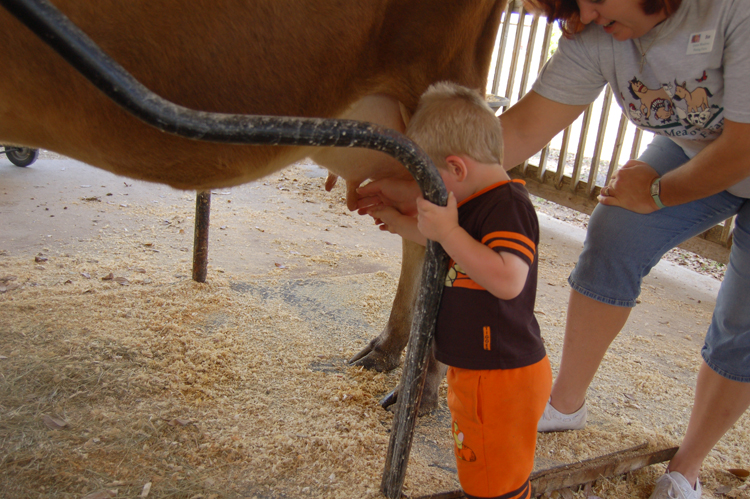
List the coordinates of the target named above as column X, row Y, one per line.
column 122, row 377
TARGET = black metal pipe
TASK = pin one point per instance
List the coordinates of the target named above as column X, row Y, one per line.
column 82, row 53
column 53, row 27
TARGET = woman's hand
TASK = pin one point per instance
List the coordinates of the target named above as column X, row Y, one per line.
column 398, row 193
column 630, row 188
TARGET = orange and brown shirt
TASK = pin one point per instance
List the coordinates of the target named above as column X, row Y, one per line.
column 475, row 329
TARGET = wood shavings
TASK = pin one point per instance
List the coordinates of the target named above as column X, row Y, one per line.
column 239, row 387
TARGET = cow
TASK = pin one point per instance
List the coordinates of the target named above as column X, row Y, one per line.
column 366, row 60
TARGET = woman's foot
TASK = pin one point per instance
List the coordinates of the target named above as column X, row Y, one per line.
column 554, row 420
column 673, row 485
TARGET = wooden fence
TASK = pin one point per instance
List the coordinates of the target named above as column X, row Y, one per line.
column 602, row 136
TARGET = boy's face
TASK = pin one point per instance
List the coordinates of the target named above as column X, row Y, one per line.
column 449, row 179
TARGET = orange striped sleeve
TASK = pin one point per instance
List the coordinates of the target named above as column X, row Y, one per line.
column 511, row 240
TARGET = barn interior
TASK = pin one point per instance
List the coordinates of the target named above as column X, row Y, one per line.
column 122, row 377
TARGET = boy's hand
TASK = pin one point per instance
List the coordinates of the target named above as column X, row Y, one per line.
column 386, row 217
column 437, row 222
column 390, row 219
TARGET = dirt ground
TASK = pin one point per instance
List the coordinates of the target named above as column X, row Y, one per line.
column 122, row 377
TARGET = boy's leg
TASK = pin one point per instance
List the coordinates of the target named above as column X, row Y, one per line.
column 494, row 415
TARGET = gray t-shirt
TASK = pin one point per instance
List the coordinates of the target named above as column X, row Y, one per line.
column 695, row 73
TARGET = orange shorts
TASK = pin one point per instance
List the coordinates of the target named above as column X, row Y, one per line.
column 494, row 417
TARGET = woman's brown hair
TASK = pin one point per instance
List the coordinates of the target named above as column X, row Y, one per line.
column 567, row 14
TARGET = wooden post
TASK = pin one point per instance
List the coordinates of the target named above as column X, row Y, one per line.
column 200, row 239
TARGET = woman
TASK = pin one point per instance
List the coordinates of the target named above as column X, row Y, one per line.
column 680, row 70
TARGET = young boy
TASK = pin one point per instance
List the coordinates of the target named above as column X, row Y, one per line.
column 499, row 377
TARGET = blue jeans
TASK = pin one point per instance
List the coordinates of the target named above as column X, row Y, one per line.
column 622, row 247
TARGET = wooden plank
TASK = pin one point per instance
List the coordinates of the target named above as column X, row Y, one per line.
column 614, row 464
column 530, row 42
column 578, row 474
column 542, row 163
column 545, row 46
column 726, row 231
column 542, row 59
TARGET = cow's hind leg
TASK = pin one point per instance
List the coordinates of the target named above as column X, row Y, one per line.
column 430, row 394
column 384, row 351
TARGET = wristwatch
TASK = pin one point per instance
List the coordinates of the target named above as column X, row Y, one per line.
column 655, row 191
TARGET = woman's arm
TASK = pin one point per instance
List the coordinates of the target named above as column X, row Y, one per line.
column 528, row 126
column 531, row 123
column 719, row 166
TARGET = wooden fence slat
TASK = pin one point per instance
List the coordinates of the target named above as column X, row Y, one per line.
column 576, row 176
column 529, row 55
column 594, row 170
column 615, row 161
column 503, row 45
column 546, row 40
column 514, row 54
column 560, row 174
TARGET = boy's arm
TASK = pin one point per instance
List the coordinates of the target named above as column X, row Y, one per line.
column 390, row 219
column 502, row 274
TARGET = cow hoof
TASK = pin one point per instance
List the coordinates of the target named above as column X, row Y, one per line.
column 371, row 357
column 389, row 399
column 427, row 406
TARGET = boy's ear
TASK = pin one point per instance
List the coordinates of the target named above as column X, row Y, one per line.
column 457, row 167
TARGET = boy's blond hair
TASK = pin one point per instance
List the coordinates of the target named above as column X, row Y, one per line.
column 452, row 119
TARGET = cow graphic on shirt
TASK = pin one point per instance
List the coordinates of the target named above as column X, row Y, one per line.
column 674, row 105
column 652, row 101
column 698, row 109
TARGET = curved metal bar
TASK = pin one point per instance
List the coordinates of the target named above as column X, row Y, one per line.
column 54, row 28
column 82, row 53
